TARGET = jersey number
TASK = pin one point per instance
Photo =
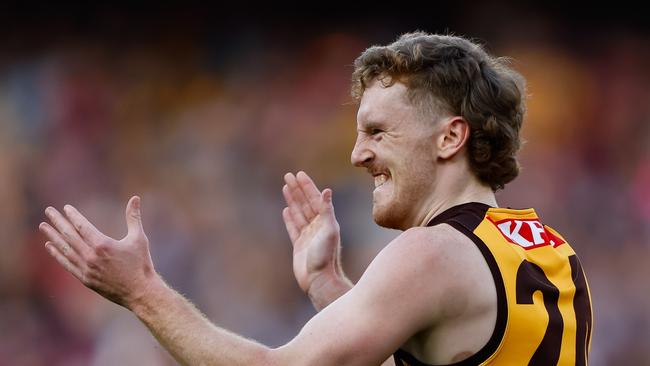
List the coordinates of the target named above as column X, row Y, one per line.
column 531, row 278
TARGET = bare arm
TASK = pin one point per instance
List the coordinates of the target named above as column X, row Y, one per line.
column 189, row 336
column 122, row 271
column 315, row 236
column 362, row 327
column 314, row 233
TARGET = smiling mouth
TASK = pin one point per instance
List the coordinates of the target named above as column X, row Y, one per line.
column 380, row 179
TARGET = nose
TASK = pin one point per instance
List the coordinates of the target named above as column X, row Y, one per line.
column 361, row 155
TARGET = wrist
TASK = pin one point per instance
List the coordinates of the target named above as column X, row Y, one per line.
column 152, row 289
column 328, row 287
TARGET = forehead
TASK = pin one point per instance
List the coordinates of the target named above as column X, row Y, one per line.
column 382, row 104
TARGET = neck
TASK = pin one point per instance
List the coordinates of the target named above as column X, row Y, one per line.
column 453, row 193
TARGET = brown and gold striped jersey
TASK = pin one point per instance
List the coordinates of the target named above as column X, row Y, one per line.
column 544, row 313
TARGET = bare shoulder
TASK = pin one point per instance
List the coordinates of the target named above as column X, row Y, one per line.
column 440, row 244
column 443, row 267
column 416, row 292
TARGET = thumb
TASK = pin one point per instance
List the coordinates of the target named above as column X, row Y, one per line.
column 134, row 217
column 327, row 207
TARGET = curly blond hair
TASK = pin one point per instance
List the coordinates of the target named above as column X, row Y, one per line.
column 456, row 75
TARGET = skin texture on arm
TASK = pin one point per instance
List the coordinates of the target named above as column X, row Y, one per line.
column 314, row 233
column 381, row 307
column 362, row 327
column 316, row 239
column 189, row 336
column 122, row 271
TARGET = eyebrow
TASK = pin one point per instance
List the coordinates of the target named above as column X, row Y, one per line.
column 369, row 125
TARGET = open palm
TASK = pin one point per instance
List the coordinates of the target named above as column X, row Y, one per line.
column 119, row 270
column 313, row 230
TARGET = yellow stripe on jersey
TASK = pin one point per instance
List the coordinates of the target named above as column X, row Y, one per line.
column 544, row 299
column 538, row 275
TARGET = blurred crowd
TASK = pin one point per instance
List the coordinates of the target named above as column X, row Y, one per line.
column 203, row 127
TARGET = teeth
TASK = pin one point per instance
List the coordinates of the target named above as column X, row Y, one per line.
column 380, row 179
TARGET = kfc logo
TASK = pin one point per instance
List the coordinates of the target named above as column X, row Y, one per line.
column 528, row 234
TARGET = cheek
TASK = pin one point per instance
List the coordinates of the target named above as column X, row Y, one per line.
column 415, row 176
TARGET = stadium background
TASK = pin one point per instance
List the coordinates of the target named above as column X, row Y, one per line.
column 201, row 112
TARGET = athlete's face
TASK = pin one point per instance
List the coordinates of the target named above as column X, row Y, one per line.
column 395, row 142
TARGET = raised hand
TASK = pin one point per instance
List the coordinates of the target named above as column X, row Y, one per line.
column 315, row 235
column 119, row 270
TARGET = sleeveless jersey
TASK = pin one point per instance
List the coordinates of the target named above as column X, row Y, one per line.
column 544, row 313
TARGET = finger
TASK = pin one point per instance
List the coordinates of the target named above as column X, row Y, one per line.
column 308, row 186
column 88, row 231
column 299, row 197
column 67, row 232
column 63, row 260
column 310, row 190
column 326, row 198
column 56, row 240
column 291, row 226
column 134, row 217
column 294, row 208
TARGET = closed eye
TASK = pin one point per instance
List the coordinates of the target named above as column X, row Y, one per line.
column 375, row 131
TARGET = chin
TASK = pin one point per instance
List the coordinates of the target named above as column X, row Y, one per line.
column 388, row 217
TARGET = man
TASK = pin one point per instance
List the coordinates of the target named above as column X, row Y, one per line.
column 465, row 283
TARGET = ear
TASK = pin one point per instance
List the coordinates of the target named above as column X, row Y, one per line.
column 454, row 133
